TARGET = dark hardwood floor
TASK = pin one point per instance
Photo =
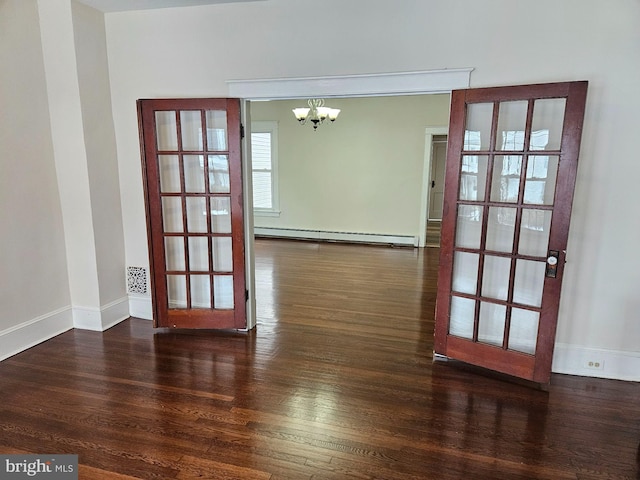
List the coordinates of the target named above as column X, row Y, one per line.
column 336, row 382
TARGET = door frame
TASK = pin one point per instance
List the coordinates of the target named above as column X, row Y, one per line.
column 429, row 133
column 344, row 86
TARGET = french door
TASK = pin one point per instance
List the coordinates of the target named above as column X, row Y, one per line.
column 191, row 162
column 510, row 175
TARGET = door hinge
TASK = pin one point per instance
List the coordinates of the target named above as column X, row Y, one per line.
column 246, row 295
column 241, row 131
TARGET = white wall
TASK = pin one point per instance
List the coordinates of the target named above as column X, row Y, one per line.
column 34, row 287
column 76, row 71
column 193, row 51
column 362, row 174
column 99, row 140
column 62, row 244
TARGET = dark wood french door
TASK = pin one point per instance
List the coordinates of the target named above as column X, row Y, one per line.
column 510, row 175
column 191, row 161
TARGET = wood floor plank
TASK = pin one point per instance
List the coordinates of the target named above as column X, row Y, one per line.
column 336, row 382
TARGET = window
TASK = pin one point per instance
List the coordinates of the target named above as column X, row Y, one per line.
column 264, row 161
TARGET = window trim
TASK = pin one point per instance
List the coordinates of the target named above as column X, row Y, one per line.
column 271, row 127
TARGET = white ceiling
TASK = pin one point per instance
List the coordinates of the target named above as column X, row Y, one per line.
column 122, row 5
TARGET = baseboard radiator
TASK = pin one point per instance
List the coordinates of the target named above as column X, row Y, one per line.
column 347, row 237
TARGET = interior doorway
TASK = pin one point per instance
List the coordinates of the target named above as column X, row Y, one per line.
column 435, row 145
column 438, row 160
column 343, row 87
column 436, row 190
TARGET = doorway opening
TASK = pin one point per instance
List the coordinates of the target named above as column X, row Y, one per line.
column 337, row 87
column 435, row 156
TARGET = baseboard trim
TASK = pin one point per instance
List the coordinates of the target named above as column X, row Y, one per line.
column 141, row 307
column 103, row 318
column 353, row 237
column 613, row 364
column 28, row 334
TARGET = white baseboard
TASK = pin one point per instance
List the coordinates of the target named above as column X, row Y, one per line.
column 32, row 332
column 103, row 318
column 593, row 362
column 140, row 307
column 336, row 236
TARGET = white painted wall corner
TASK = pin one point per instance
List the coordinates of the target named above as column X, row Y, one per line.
column 100, row 319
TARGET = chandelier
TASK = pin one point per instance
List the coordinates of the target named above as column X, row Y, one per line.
column 316, row 113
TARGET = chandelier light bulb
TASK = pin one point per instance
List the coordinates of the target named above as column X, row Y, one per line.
column 333, row 114
column 301, row 113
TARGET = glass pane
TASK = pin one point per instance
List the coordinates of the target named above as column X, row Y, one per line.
column 193, row 173
column 219, row 173
column 216, row 129
column 523, row 333
column 222, row 254
column 196, row 214
column 546, row 128
column 478, row 126
column 529, row 282
column 166, row 131
column 511, row 124
column 534, row 232
column 500, row 229
column 200, row 291
column 199, row 254
column 221, row 214
column 491, row 323
column 262, row 196
column 473, row 177
column 174, row 253
column 469, row 226
column 177, row 291
column 465, row 272
column 461, row 317
column 505, row 183
column 191, row 127
column 169, row 167
column 223, row 291
column 172, row 214
column 495, row 278
column 540, row 184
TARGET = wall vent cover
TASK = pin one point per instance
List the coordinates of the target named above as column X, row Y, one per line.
column 137, row 280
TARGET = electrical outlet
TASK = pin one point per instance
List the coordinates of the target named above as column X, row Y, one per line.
column 594, row 364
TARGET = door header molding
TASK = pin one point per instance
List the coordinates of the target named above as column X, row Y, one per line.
column 380, row 84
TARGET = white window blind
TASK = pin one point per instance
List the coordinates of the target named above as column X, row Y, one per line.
column 262, row 174
column 264, row 166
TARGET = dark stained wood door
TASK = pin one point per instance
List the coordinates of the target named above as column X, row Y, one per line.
column 191, row 161
column 511, row 169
